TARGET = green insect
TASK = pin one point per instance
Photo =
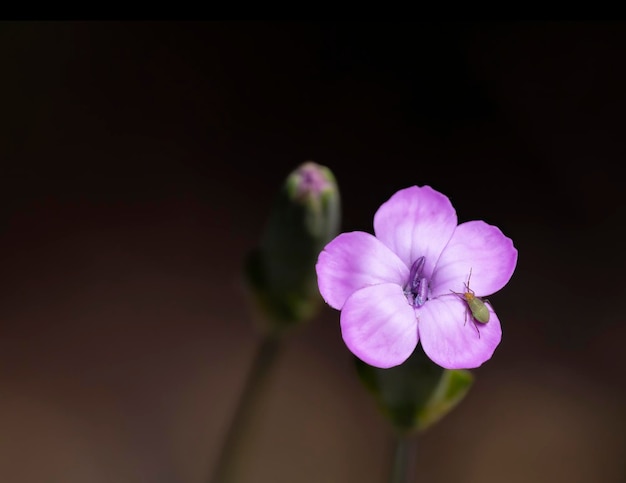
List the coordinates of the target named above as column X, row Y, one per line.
column 478, row 306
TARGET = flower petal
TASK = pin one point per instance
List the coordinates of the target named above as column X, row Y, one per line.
column 451, row 338
column 414, row 222
column 353, row 261
column 379, row 326
column 478, row 247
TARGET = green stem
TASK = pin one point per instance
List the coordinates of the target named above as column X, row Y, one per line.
column 229, row 459
column 403, row 468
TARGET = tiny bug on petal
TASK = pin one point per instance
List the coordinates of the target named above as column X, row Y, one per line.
column 478, row 306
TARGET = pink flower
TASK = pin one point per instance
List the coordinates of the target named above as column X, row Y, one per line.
column 395, row 288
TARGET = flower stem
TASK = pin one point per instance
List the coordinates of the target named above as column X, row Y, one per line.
column 403, row 468
column 229, row 459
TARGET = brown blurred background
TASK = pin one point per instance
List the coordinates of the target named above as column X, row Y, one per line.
column 138, row 164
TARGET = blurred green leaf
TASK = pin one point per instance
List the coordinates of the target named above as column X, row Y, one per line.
column 453, row 386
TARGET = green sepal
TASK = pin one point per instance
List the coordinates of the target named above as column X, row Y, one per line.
column 416, row 394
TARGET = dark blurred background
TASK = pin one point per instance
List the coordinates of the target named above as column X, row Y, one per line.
column 138, row 165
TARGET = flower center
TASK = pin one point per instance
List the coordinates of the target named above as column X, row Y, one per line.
column 417, row 288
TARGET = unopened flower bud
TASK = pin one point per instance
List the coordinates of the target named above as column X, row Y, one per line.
column 280, row 272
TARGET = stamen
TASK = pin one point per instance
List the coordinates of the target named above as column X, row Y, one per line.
column 416, row 290
column 422, row 292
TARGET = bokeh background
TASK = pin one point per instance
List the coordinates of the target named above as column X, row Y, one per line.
column 138, row 165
